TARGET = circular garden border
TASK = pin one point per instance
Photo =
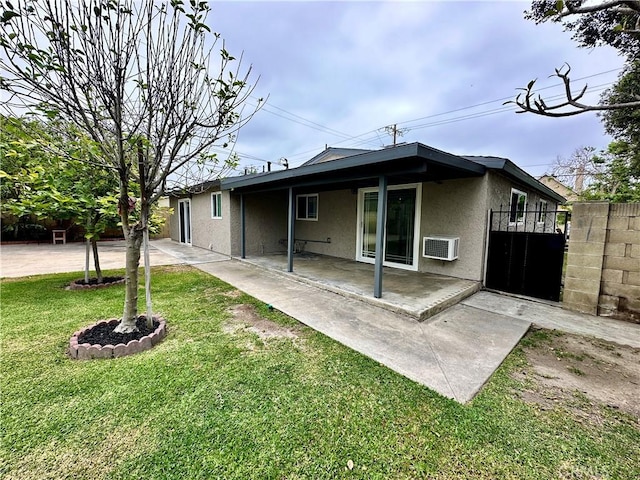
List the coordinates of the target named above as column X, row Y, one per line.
column 87, row 351
column 80, row 285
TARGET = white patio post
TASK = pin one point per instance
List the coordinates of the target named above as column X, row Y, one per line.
column 380, row 228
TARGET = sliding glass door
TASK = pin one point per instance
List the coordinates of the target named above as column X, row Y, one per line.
column 401, row 232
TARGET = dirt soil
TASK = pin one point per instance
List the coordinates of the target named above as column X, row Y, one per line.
column 246, row 318
column 581, row 373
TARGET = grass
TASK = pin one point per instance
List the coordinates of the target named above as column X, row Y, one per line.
column 209, row 403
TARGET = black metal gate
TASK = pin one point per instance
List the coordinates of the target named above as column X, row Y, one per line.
column 526, row 251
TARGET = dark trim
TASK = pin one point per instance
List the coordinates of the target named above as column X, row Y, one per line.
column 243, row 237
column 381, row 221
column 372, row 164
column 291, row 230
column 514, row 172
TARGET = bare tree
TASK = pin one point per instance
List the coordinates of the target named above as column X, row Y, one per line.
column 615, row 23
column 579, row 170
column 135, row 76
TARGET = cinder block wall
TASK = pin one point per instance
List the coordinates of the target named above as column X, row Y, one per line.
column 603, row 264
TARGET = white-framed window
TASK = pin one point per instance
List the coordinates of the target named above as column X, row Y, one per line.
column 518, row 206
column 216, row 205
column 307, row 207
column 542, row 212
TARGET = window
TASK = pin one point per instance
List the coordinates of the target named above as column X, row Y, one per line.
column 216, row 205
column 542, row 212
column 307, row 207
column 518, row 206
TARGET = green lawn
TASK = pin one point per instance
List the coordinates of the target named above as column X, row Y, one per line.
column 210, row 402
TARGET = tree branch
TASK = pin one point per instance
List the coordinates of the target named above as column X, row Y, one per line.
column 532, row 103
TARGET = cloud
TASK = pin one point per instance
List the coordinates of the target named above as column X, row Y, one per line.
column 354, row 67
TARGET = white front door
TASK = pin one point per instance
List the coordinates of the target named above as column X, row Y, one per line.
column 401, row 243
column 184, row 220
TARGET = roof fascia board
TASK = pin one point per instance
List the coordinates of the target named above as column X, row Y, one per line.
column 346, row 177
column 369, row 158
column 516, row 172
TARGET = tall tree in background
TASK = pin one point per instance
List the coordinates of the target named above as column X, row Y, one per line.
column 617, row 182
column 624, row 124
column 611, row 22
column 135, row 77
column 579, row 170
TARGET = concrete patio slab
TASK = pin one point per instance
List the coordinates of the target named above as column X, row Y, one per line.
column 416, row 294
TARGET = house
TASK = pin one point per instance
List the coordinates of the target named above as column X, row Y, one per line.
column 560, row 188
column 436, row 218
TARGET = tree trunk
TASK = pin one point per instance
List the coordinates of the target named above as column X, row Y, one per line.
column 147, row 277
column 86, row 263
column 134, row 242
column 96, row 260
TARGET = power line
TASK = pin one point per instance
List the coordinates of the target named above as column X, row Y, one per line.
column 510, row 97
column 374, row 140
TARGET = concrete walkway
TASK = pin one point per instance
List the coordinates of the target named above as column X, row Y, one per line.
column 454, row 353
column 555, row 318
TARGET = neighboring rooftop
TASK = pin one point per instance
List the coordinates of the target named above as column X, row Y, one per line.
column 332, row 153
column 560, row 188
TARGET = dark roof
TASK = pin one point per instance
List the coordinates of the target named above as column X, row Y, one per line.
column 402, row 164
column 198, row 188
column 510, row 169
column 333, row 153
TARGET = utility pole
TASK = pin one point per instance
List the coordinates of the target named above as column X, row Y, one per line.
column 395, row 132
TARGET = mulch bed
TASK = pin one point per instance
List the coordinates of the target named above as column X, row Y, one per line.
column 93, row 283
column 103, row 334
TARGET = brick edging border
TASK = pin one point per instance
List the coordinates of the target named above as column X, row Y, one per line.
column 86, row 351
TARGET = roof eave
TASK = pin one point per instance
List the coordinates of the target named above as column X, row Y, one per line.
column 373, row 158
column 514, row 171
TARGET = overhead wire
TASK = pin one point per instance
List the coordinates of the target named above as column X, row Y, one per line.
column 375, row 140
column 464, row 117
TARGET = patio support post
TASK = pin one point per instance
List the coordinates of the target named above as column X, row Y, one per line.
column 290, row 230
column 243, row 246
column 380, row 228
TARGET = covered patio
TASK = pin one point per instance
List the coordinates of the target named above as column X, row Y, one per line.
column 416, row 294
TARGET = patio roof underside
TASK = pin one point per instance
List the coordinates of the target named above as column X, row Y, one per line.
column 406, row 164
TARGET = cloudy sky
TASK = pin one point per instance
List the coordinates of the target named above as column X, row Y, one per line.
column 337, row 73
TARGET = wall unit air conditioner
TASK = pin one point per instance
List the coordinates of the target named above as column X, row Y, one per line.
column 440, row 247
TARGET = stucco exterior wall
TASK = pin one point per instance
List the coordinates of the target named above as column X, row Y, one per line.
column 174, row 227
column 206, row 232
column 337, row 216
column 457, row 208
column 265, row 222
column 499, row 199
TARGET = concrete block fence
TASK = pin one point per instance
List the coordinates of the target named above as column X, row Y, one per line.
column 603, row 264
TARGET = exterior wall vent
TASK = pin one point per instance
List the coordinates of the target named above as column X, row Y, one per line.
column 440, row 247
